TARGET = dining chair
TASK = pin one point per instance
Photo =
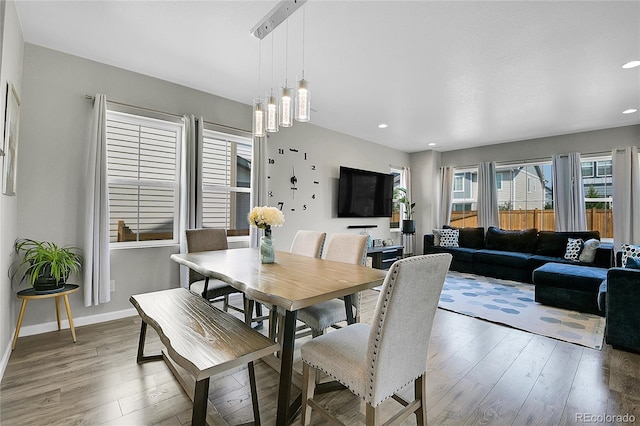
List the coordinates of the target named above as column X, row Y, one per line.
column 208, row 239
column 347, row 248
column 375, row 362
column 308, row 243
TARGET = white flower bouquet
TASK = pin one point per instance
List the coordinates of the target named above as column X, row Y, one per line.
column 266, row 217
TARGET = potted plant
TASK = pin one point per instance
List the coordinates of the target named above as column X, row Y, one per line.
column 45, row 265
column 400, row 196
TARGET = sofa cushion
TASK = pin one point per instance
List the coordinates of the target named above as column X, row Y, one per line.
column 461, row 254
column 551, row 243
column 512, row 241
column 469, row 237
column 575, row 277
column 502, row 258
column 536, row 261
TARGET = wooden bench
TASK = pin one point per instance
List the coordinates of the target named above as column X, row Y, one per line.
column 202, row 340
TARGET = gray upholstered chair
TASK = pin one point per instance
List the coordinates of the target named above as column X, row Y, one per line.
column 308, row 243
column 347, row 248
column 376, row 362
column 213, row 290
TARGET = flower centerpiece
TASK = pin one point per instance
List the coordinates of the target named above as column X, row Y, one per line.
column 264, row 218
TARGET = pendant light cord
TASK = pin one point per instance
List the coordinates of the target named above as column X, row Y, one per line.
column 272, row 39
column 304, row 13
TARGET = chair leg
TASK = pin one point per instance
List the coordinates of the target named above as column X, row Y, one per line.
column 225, row 303
column 308, row 389
column 420, row 387
column 273, row 323
column 373, row 415
column 316, row 333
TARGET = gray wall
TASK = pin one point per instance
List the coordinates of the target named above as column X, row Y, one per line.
column 54, row 129
column 11, row 51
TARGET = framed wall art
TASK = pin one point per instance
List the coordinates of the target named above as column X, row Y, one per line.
column 10, row 146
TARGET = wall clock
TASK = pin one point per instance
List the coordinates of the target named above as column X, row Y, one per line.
column 293, row 180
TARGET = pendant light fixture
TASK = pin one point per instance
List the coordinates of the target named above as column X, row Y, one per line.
column 286, row 96
column 303, row 98
column 258, row 107
column 272, row 124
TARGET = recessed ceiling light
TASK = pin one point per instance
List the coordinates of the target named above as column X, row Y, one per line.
column 382, row 126
column 629, row 111
column 631, row 64
column 432, row 144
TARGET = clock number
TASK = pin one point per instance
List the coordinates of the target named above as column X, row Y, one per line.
column 304, row 207
column 313, row 167
column 293, row 150
column 280, row 151
column 316, row 182
column 272, row 161
column 313, row 196
column 270, row 193
column 280, row 205
column 305, row 155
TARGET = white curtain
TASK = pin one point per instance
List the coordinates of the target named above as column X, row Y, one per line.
column 446, row 194
column 97, row 287
column 626, row 196
column 568, row 193
column 488, row 214
column 258, row 183
column 405, row 181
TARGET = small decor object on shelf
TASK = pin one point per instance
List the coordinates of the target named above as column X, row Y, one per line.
column 45, row 265
column 264, row 218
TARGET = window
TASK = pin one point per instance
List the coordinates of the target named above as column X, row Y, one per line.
column 499, row 181
column 598, row 195
column 587, row 169
column 464, row 203
column 226, row 182
column 603, row 168
column 143, row 157
column 395, row 212
column 526, row 200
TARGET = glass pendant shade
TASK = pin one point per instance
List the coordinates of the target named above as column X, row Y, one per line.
column 258, row 118
column 303, row 101
column 286, row 107
column 272, row 115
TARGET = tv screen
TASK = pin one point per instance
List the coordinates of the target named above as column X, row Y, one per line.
column 363, row 193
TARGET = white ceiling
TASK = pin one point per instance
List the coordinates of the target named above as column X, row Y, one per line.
column 459, row 74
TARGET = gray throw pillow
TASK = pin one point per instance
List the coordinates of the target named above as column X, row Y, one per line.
column 588, row 254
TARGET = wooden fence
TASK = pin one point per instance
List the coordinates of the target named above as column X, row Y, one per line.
column 544, row 220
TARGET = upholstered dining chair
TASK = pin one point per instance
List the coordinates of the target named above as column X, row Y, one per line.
column 375, row 362
column 208, row 239
column 347, row 248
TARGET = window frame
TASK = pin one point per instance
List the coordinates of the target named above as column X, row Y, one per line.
column 462, row 179
column 137, row 117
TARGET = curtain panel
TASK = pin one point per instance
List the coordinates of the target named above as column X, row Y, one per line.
column 258, row 184
column 488, row 214
column 568, row 193
column 97, row 261
column 626, row 196
column 446, row 195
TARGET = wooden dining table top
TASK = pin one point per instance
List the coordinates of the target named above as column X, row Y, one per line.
column 292, row 282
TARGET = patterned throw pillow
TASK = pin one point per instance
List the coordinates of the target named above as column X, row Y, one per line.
column 574, row 247
column 629, row 250
column 588, row 254
column 449, row 238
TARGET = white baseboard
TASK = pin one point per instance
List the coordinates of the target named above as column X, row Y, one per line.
column 77, row 322
column 5, row 357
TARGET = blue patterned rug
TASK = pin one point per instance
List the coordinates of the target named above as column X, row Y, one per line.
column 512, row 303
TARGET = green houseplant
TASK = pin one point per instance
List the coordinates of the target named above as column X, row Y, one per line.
column 400, row 196
column 45, row 265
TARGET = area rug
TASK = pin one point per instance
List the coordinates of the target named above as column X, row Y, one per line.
column 512, row 303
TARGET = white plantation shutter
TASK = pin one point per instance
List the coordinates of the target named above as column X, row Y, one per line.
column 226, row 182
column 143, row 157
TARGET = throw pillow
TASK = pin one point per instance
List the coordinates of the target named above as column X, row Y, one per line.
column 588, row 254
column 628, row 251
column 633, row 263
column 449, row 238
column 436, row 237
column 574, row 247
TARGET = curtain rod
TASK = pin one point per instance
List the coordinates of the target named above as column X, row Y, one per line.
column 529, row 160
column 155, row 111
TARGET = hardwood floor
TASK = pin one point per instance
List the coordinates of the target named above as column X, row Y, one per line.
column 479, row 373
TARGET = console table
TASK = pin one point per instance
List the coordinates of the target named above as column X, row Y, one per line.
column 383, row 257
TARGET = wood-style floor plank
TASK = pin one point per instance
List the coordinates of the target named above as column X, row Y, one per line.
column 478, row 373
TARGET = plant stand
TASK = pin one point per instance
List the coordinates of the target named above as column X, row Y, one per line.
column 30, row 294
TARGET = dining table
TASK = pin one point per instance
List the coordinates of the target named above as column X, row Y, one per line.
column 292, row 282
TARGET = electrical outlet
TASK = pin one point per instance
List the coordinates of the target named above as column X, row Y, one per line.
column 113, row 286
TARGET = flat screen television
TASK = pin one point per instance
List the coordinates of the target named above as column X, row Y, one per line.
column 363, row 193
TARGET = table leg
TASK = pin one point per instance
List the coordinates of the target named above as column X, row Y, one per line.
column 15, row 338
column 73, row 330
column 57, row 312
column 201, row 394
column 348, row 306
column 286, row 370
